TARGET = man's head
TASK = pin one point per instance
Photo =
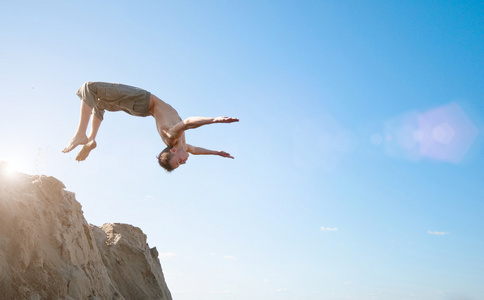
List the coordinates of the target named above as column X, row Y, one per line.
column 171, row 158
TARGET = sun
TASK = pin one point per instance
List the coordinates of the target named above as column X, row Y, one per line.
column 8, row 170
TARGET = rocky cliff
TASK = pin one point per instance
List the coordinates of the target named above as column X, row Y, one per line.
column 49, row 251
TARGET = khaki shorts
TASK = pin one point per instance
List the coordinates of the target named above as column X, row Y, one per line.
column 101, row 96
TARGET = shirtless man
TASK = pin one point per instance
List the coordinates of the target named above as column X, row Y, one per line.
column 100, row 96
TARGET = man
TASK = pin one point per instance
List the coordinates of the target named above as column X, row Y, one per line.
column 96, row 97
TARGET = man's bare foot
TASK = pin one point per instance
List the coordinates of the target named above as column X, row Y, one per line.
column 75, row 141
column 86, row 149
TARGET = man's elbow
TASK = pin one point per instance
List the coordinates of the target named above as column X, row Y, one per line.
column 188, row 123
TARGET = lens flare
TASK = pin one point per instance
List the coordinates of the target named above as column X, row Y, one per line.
column 447, row 133
column 444, row 133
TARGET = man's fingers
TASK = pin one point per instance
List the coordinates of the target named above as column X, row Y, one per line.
column 226, row 120
column 225, row 154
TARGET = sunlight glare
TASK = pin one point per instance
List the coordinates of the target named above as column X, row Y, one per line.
column 7, row 170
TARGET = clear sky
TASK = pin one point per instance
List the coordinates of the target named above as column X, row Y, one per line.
column 359, row 167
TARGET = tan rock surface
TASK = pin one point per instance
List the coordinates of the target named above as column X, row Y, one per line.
column 49, row 251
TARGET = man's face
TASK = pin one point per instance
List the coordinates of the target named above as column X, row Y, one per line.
column 179, row 158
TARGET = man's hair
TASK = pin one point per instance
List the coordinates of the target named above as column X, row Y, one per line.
column 164, row 159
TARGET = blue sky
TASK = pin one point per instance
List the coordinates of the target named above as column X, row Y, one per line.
column 358, row 156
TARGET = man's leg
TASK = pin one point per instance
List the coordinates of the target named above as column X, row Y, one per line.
column 91, row 144
column 80, row 137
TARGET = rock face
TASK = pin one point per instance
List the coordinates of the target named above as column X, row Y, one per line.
column 49, row 251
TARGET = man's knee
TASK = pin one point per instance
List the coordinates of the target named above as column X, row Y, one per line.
column 89, row 86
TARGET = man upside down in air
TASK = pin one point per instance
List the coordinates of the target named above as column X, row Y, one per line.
column 96, row 97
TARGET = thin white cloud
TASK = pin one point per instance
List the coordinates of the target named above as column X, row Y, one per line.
column 437, row 232
column 329, row 228
column 223, row 292
column 149, row 198
column 230, row 257
column 281, row 290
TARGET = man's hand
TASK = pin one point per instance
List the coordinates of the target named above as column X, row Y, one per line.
column 225, row 120
column 224, row 154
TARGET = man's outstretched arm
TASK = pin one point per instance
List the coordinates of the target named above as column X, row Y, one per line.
column 202, row 151
column 195, row 122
